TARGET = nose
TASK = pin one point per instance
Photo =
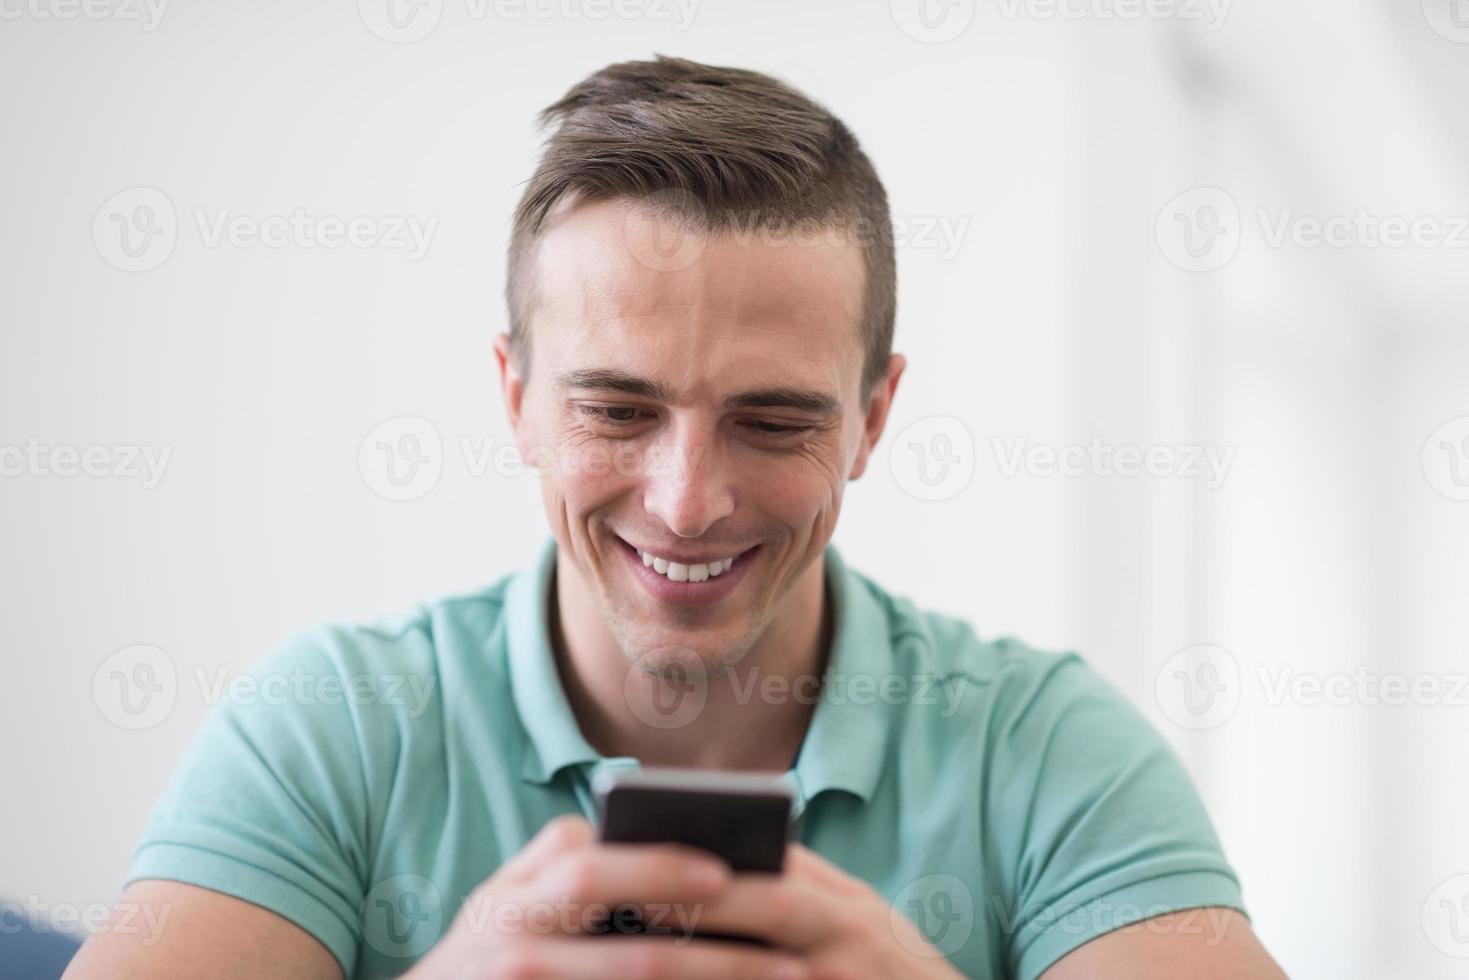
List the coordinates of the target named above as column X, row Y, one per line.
column 687, row 485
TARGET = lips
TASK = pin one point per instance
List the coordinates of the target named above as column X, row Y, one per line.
column 686, row 577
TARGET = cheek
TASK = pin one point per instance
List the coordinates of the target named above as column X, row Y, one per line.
column 588, row 474
column 807, row 485
column 584, row 492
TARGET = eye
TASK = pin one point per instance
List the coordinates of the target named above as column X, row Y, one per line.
column 776, row 430
column 614, row 416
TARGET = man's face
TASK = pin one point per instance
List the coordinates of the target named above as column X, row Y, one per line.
column 698, row 404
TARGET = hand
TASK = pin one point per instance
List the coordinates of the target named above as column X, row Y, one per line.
column 531, row 918
column 840, row 927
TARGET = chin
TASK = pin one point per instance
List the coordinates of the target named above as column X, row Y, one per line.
column 659, row 653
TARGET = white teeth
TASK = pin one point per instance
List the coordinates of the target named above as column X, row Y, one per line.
column 678, row 572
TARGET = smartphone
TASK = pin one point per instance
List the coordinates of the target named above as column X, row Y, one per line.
column 742, row 817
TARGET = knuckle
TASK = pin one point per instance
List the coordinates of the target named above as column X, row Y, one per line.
column 783, row 904
column 645, row 962
column 577, row 877
column 520, row 961
column 565, row 831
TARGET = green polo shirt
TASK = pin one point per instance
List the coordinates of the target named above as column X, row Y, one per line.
column 364, row 779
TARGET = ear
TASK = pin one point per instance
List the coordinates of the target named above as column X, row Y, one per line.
column 512, row 385
column 876, row 418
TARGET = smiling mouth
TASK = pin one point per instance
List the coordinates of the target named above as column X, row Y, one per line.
column 694, row 573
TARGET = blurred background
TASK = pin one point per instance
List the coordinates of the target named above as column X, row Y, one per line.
column 1184, row 286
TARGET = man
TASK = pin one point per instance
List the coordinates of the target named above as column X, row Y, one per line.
column 701, row 291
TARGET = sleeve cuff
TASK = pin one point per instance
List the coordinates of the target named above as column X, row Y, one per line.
column 230, row 876
column 1053, row 933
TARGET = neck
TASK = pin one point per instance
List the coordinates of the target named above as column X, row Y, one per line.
column 755, row 715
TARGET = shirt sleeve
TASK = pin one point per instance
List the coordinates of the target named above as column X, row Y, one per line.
column 268, row 800
column 1096, row 819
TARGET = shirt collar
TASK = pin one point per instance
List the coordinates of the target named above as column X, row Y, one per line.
column 844, row 748
column 554, row 739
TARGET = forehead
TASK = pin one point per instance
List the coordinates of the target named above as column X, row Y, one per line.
column 618, row 286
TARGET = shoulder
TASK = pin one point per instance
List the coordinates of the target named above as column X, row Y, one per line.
column 364, row 696
column 1003, row 674
column 364, row 656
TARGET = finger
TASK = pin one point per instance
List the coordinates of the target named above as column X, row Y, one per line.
column 779, row 910
column 595, row 958
column 802, row 862
column 560, row 836
column 628, row 874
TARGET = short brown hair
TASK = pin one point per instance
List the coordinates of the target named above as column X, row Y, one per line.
column 737, row 144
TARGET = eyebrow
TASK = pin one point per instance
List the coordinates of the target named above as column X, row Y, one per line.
column 782, row 396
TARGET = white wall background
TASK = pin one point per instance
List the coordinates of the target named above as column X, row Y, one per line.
column 1049, row 147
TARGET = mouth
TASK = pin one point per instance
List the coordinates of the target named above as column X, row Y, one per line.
column 687, row 577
